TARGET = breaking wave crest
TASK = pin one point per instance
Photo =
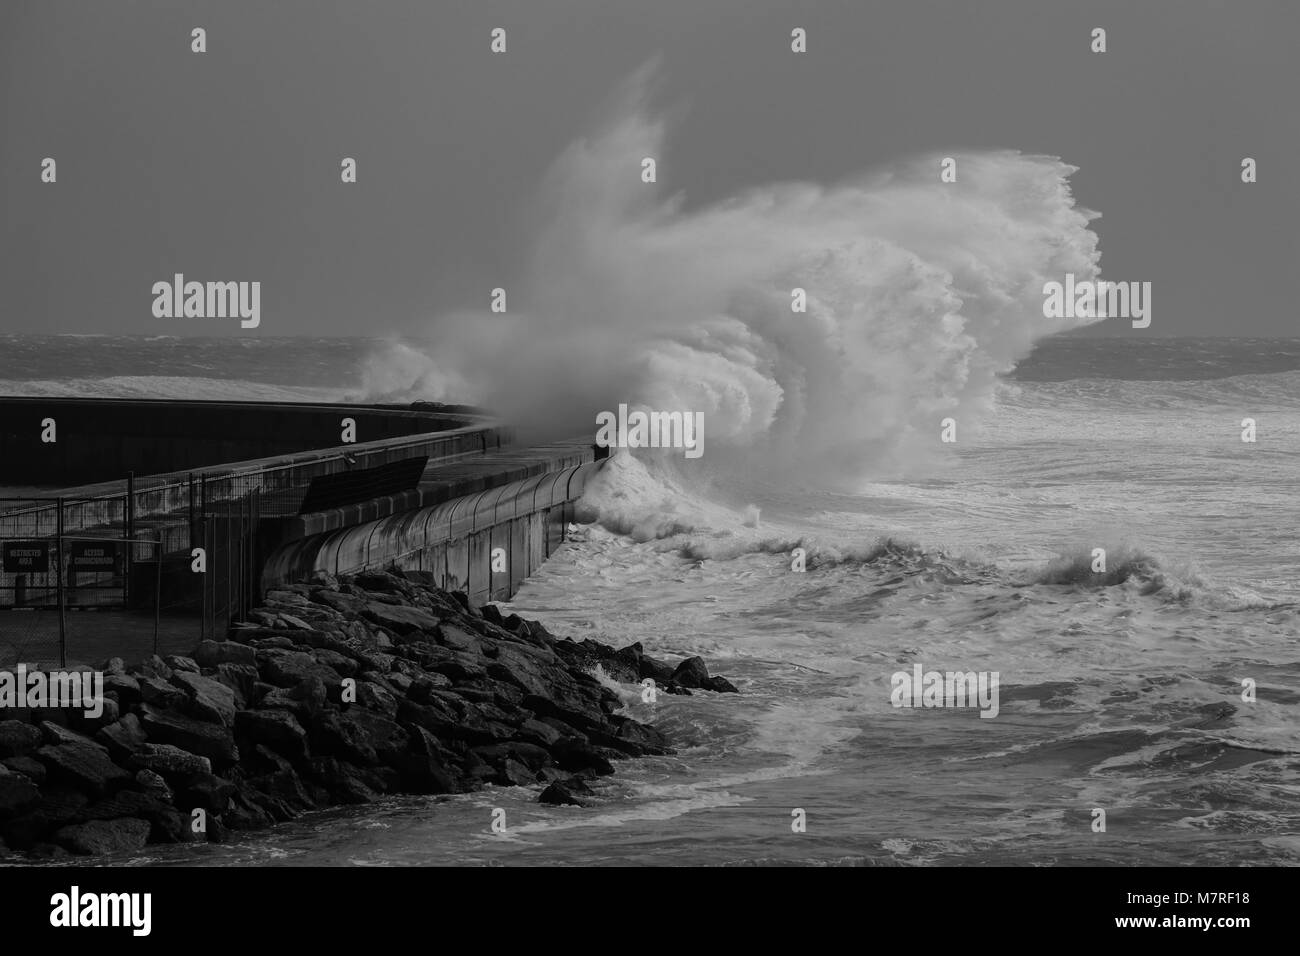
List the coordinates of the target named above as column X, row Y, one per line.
column 919, row 293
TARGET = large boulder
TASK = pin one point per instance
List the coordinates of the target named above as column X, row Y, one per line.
column 18, row 738
column 278, row 729
column 123, row 738
column 691, row 672
column 17, row 793
column 168, row 760
column 208, row 699
column 399, row 620
column 85, row 766
column 200, row 737
column 215, row 653
column 102, row 837
column 286, row 668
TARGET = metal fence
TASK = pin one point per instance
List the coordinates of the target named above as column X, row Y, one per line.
column 146, row 592
column 127, row 580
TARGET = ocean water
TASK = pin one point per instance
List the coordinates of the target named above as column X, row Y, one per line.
column 1119, row 692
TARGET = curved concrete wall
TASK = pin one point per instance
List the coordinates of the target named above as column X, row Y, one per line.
column 454, row 540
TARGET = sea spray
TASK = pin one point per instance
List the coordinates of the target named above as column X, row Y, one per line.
column 918, row 294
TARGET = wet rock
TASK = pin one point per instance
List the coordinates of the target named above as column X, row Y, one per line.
column 58, row 805
column 165, row 822
column 578, row 756
column 564, row 793
column 691, row 672
column 102, row 837
column 206, row 791
column 718, row 685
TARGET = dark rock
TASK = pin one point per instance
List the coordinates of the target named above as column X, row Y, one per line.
column 691, row 672
column 658, row 671
column 85, row 766
column 281, row 794
column 56, row 734
column 207, row 792
column 458, row 639
column 303, row 700
column 101, row 837
column 198, row 737
column 339, row 663
column 153, row 783
column 154, row 666
column 360, row 736
column 166, row 825
column 168, row 760
column 32, row 769
column 561, row 794
column 242, row 680
column 207, row 699
column 577, row 756
column 17, row 793
column 18, row 738
column 718, row 685
column 178, row 663
column 290, row 668
column 126, row 687
column 345, row 783
column 123, row 738
column 58, row 805
column 216, row 653
column 375, row 697
column 399, row 620
column 159, row 692
column 278, row 729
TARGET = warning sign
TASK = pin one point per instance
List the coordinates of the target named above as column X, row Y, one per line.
column 104, row 556
column 26, row 557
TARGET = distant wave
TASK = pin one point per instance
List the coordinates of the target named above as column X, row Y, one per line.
column 167, row 386
column 1148, row 575
column 1275, row 389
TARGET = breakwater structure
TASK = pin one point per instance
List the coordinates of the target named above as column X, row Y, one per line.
column 165, row 522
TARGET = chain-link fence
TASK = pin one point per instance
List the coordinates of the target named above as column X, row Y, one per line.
column 125, row 576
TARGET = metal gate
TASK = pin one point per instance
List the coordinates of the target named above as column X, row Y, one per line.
column 228, row 530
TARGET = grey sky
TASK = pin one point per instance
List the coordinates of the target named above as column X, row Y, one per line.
column 226, row 165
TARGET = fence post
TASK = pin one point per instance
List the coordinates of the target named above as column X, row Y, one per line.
column 129, row 520
column 62, row 596
column 157, row 592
